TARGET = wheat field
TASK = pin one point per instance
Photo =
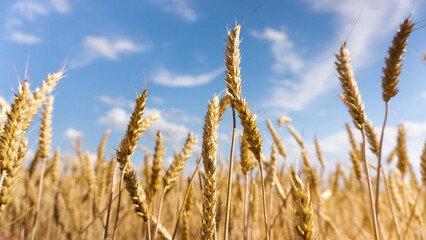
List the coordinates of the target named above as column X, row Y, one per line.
column 256, row 196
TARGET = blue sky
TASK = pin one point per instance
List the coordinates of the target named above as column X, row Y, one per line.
column 176, row 46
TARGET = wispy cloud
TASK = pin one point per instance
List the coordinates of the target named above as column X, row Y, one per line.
column 26, row 38
column 312, row 77
column 23, row 11
column 72, row 134
column 111, row 49
column 30, row 9
column 119, row 101
column 181, row 8
column 166, row 78
column 61, row 6
column 282, row 48
column 116, row 119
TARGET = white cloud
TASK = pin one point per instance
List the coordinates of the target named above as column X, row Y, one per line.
column 282, row 48
column 30, row 9
column 315, row 75
column 13, row 22
column 180, row 8
column 166, row 78
column 116, row 101
column 103, row 47
column 423, row 94
column 26, row 38
column 72, row 134
column 116, row 118
column 174, row 134
column 61, row 6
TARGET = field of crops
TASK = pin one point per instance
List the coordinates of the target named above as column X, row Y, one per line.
column 255, row 197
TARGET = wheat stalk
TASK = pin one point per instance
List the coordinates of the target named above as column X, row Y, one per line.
column 390, row 81
column 352, row 99
column 239, row 104
column 124, row 153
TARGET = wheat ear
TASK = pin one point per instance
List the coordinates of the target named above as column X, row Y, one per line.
column 401, row 150
column 304, row 213
column 277, row 140
column 372, row 138
column 208, row 154
column 9, row 143
column 319, row 153
column 393, row 62
column 247, row 161
column 100, row 161
column 124, row 153
column 5, row 108
column 157, row 165
column 423, row 165
column 296, row 136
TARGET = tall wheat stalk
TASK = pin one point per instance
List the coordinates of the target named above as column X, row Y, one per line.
column 352, row 99
column 248, row 121
column 390, row 81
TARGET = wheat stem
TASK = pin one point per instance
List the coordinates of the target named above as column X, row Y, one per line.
column 370, row 188
column 118, row 205
column 40, row 191
column 231, row 162
column 165, row 188
column 110, row 202
column 379, row 158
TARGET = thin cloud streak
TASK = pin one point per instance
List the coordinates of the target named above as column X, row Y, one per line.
column 314, row 76
column 166, row 78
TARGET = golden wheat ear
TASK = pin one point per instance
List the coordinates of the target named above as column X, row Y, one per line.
column 125, row 152
column 157, row 165
column 393, row 62
column 304, row 213
column 208, row 154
